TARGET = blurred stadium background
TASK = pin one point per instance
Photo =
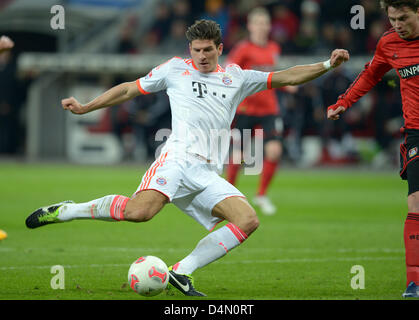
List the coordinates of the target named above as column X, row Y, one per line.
column 105, row 42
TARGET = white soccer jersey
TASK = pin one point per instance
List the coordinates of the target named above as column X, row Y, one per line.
column 203, row 105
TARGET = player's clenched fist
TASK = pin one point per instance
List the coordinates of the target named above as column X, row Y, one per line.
column 338, row 57
column 334, row 112
column 73, row 105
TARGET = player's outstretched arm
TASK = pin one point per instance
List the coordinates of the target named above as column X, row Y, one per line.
column 114, row 96
column 301, row 74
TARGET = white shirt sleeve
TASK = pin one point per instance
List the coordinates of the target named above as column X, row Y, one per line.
column 255, row 81
column 155, row 80
column 252, row 80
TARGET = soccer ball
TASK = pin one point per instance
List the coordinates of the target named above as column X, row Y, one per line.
column 148, row 276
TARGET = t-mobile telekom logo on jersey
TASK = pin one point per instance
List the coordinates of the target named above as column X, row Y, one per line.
column 215, row 146
column 408, row 72
column 201, row 90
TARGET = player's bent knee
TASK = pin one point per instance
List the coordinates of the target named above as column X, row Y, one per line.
column 138, row 214
column 239, row 212
column 144, row 206
column 251, row 225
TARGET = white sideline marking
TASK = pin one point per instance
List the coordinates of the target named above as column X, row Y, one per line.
column 300, row 260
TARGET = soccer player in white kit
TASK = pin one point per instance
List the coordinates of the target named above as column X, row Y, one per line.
column 203, row 98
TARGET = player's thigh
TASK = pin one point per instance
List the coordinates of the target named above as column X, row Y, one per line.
column 238, row 211
column 145, row 205
column 217, row 202
column 412, row 172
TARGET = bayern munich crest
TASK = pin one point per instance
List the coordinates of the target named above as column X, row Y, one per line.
column 161, row 181
column 227, row 80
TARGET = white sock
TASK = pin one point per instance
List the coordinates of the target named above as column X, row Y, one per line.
column 109, row 208
column 212, row 247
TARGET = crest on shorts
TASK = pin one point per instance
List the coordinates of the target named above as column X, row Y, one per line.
column 161, row 181
column 413, row 152
column 226, row 79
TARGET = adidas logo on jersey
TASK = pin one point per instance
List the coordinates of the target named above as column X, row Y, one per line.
column 186, row 73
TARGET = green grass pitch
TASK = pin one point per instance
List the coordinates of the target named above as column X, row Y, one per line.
column 328, row 221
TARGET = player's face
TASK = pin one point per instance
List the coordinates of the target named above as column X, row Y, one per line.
column 205, row 54
column 405, row 21
column 259, row 27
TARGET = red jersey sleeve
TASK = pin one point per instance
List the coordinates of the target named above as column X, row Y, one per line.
column 373, row 72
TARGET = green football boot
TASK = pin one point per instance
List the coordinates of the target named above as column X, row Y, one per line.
column 45, row 215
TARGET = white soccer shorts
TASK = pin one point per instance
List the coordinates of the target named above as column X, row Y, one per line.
column 190, row 184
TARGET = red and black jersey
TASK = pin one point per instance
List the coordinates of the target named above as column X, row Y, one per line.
column 251, row 56
column 392, row 52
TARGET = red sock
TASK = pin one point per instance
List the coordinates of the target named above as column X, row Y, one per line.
column 232, row 171
column 268, row 171
column 411, row 242
column 117, row 207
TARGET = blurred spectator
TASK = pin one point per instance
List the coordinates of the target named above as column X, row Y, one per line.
column 217, row 11
column 310, row 11
column 327, row 41
column 126, row 40
column 10, row 103
column 388, row 119
column 182, row 11
column 140, row 118
column 149, row 43
column 309, row 26
column 307, row 38
column 375, row 32
column 334, row 84
column 284, row 25
column 298, row 115
column 372, row 12
column 148, row 114
column 162, row 21
column 345, row 39
column 6, row 43
column 236, row 26
column 175, row 43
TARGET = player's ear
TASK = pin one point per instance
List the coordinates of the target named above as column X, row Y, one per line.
column 220, row 49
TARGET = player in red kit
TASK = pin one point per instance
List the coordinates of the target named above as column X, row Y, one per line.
column 260, row 109
column 398, row 49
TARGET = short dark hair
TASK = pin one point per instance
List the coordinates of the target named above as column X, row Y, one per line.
column 204, row 30
column 412, row 4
